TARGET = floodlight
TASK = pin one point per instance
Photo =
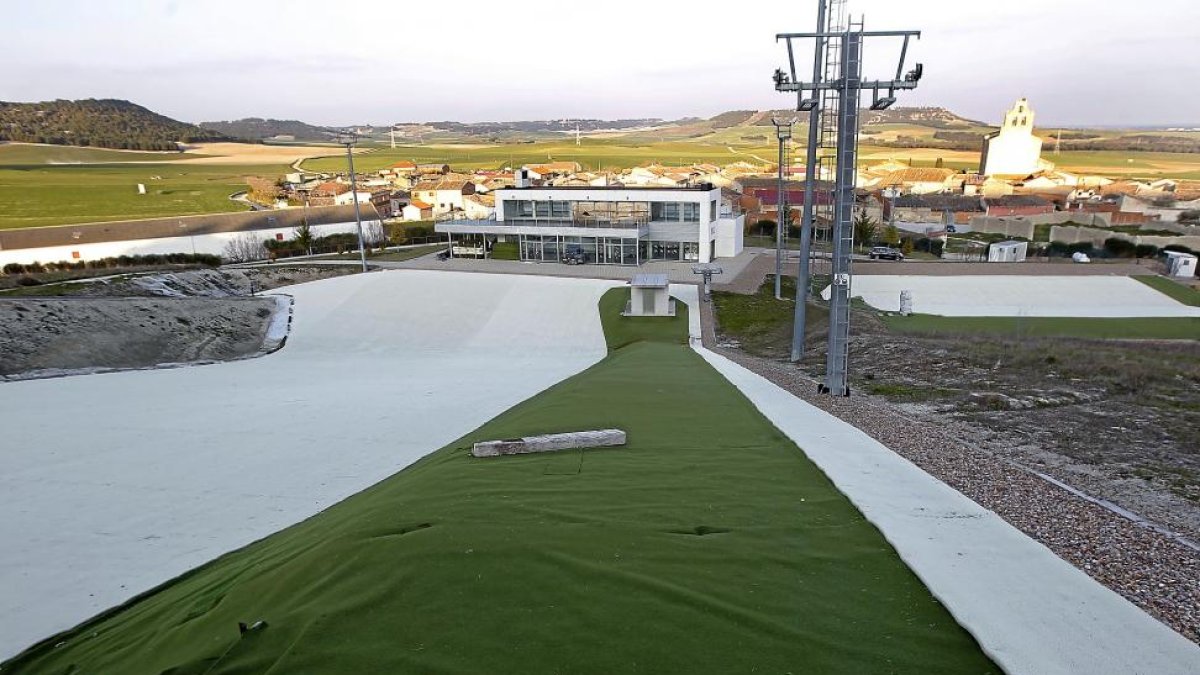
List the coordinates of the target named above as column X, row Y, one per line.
column 807, row 104
column 883, row 103
column 780, row 77
column 915, row 74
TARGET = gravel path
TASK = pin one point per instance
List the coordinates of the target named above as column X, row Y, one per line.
column 1152, row 570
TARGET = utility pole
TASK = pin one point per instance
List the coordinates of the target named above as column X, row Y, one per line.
column 847, row 86
column 811, row 172
column 348, row 140
column 783, row 132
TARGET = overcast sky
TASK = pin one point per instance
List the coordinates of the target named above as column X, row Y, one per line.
column 1109, row 62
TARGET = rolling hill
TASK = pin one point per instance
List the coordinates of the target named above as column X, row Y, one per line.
column 103, row 123
column 258, row 129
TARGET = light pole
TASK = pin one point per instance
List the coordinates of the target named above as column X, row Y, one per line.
column 348, row 140
column 783, row 132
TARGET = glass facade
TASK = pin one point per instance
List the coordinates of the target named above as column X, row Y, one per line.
column 670, row 250
column 592, row 250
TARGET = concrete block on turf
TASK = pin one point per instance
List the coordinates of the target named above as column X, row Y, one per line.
column 600, row 438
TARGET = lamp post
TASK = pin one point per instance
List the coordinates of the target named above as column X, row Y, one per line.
column 348, row 140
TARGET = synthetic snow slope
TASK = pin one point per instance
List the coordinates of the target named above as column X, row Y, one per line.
column 111, row 484
column 1029, row 296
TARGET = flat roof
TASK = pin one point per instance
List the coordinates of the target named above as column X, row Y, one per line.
column 649, row 281
column 703, row 187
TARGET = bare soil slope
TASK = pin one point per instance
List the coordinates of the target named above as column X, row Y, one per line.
column 57, row 334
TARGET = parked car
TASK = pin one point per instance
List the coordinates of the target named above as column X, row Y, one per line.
column 886, row 253
column 574, row 255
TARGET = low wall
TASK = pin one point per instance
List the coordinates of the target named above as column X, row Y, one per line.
column 213, row 244
column 1069, row 234
column 1009, row 227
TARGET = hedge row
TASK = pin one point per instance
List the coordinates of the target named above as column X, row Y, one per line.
column 149, row 259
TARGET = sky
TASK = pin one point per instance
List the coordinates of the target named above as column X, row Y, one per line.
column 1080, row 62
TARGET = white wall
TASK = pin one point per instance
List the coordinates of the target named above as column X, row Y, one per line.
column 213, row 244
column 730, row 231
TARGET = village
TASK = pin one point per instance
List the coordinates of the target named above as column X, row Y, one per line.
column 1018, row 196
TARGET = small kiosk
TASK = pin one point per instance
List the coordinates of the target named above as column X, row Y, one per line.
column 649, row 295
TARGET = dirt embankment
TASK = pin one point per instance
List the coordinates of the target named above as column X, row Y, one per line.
column 145, row 321
column 47, row 336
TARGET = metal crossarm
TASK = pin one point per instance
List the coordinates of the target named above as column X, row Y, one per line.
column 832, row 99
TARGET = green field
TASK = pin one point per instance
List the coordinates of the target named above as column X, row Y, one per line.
column 33, row 195
column 708, row 544
column 1177, row 328
column 592, row 154
column 1185, row 294
column 21, row 154
column 54, row 185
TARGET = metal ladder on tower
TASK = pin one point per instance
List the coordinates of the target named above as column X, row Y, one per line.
column 827, row 134
column 837, row 361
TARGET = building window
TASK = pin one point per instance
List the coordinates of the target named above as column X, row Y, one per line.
column 690, row 212
column 712, row 211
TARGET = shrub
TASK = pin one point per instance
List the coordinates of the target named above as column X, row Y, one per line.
column 28, row 281
column 14, row 268
column 1145, row 251
column 1120, row 248
column 934, row 246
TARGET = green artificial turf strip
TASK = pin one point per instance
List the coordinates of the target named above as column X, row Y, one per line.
column 1176, row 291
column 708, row 544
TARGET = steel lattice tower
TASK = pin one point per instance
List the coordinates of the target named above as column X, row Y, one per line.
column 832, row 100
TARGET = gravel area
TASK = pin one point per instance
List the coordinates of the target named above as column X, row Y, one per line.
column 1151, row 569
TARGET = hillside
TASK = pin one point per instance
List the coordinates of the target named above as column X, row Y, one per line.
column 257, row 129
column 104, row 123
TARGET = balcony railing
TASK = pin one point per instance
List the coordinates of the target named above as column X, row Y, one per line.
column 619, row 224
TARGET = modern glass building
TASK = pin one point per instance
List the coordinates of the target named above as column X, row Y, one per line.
column 602, row 225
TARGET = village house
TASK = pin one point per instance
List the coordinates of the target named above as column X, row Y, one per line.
column 326, row 193
column 417, row 210
column 942, row 209
column 918, row 181
column 1017, row 205
column 479, row 207
column 445, row 193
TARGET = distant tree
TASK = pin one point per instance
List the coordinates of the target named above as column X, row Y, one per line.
column 906, row 246
column 940, row 163
column 891, row 235
column 1190, row 216
column 303, row 237
column 374, row 235
column 865, row 229
column 244, row 248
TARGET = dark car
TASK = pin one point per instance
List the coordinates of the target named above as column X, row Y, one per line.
column 574, row 256
column 886, row 253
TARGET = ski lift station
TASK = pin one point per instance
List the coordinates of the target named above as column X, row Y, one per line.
column 649, row 295
column 1180, row 264
column 1008, row 251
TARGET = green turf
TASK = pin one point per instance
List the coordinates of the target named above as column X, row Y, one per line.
column 1177, row 291
column 593, row 154
column 37, row 195
column 708, row 544
column 1174, row 328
